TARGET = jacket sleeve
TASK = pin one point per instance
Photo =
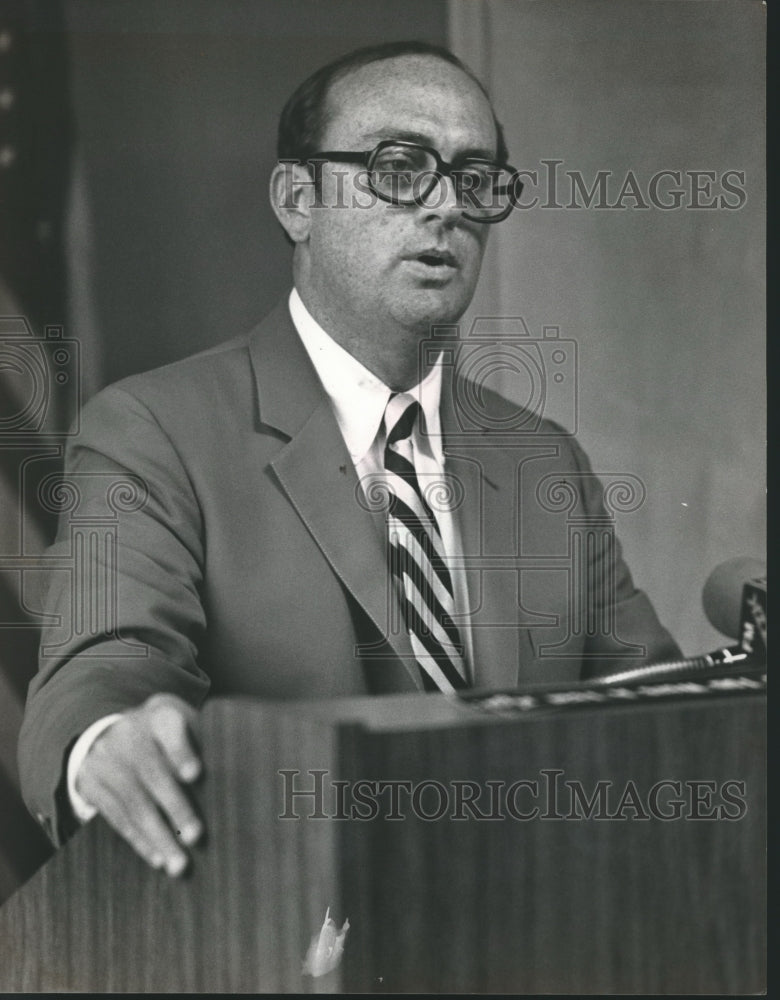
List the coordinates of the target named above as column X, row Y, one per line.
column 123, row 607
column 621, row 627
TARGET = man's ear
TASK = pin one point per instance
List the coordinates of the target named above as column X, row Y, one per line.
column 292, row 192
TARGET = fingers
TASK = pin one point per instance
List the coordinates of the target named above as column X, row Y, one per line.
column 170, row 724
column 154, row 771
column 135, row 818
column 132, row 775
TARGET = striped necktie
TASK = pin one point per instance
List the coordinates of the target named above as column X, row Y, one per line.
column 415, row 554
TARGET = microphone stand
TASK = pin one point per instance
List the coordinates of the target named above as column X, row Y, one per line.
column 690, row 664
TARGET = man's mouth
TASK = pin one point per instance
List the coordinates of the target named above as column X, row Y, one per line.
column 435, row 258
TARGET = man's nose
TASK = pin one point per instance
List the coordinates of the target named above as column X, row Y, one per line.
column 442, row 199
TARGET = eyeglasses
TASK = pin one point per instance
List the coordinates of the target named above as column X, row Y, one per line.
column 404, row 173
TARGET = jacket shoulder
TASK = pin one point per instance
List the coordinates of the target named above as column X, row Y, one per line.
column 479, row 408
column 205, row 372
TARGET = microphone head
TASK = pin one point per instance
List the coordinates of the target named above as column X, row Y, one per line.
column 722, row 593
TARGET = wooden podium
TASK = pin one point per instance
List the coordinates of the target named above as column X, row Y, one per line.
column 497, row 900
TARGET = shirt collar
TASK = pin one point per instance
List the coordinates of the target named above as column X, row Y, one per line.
column 358, row 397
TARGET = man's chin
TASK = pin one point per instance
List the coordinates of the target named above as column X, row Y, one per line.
column 426, row 307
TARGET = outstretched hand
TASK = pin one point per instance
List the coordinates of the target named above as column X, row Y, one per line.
column 133, row 775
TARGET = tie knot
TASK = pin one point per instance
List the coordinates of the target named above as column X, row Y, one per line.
column 400, row 414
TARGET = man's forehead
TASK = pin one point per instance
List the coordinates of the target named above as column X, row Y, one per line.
column 410, row 94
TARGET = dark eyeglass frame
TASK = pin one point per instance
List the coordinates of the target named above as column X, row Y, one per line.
column 443, row 169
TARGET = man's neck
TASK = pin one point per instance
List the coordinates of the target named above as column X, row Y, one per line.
column 392, row 355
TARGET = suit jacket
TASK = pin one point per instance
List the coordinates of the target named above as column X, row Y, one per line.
column 213, row 538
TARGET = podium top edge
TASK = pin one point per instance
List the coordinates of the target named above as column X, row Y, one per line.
column 414, row 710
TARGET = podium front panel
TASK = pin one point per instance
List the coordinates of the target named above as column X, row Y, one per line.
column 599, row 849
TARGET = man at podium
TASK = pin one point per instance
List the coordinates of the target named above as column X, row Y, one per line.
column 336, row 503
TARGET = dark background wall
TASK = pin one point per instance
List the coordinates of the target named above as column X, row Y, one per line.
column 159, row 219
column 666, row 307
column 176, row 108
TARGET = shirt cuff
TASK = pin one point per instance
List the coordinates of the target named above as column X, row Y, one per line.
column 83, row 810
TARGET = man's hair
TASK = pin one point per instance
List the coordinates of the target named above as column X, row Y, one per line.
column 305, row 115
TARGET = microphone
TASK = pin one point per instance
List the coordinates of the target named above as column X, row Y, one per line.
column 723, row 594
column 734, row 599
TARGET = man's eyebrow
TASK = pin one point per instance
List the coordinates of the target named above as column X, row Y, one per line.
column 422, row 139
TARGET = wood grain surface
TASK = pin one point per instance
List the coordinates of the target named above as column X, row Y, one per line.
column 544, row 905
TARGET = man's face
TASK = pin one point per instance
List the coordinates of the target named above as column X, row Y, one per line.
column 363, row 264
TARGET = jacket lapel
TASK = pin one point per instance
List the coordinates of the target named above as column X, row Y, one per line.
column 487, row 519
column 316, row 472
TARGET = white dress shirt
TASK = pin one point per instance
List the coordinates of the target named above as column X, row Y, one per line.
column 358, row 399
